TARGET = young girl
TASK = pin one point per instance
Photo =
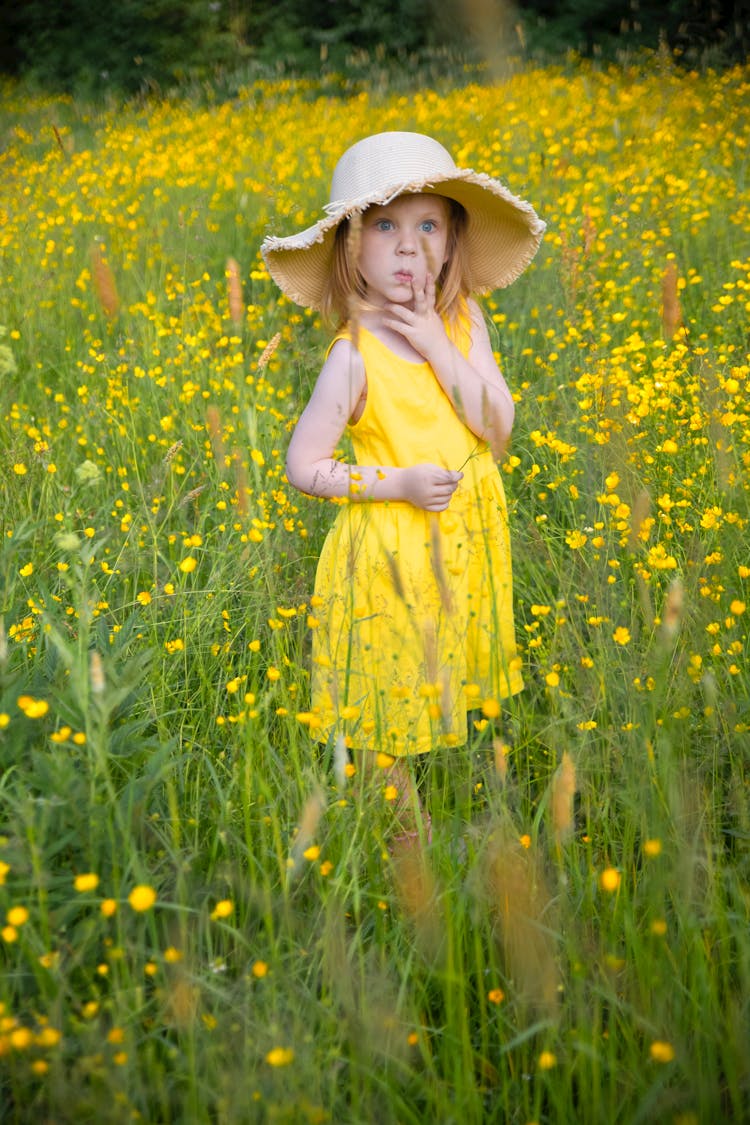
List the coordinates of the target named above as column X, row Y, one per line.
column 413, row 588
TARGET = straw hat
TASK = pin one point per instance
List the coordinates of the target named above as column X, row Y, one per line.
column 503, row 232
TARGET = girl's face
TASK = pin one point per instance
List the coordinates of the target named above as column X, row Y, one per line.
column 401, row 243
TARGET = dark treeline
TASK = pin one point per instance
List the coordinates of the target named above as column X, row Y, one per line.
column 133, row 45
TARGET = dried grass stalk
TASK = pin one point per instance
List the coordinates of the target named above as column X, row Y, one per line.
column 418, row 896
column 433, row 265
column 268, row 351
column 193, row 494
column 172, row 452
column 59, row 140
column 353, row 250
column 561, row 799
column 446, row 702
column 671, row 312
column 213, row 425
column 395, row 573
column 308, row 825
column 429, row 641
column 644, row 597
column 105, row 286
column 240, row 474
column 501, row 750
column 96, row 673
column 640, row 513
column 674, row 606
column 438, row 566
column 340, row 762
column 183, row 999
column 234, row 292
column 521, row 908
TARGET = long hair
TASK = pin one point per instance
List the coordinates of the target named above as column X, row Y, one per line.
column 345, row 285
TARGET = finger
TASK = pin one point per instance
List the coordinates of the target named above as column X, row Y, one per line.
column 397, row 326
column 396, row 312
column 420, row 293
column 399, row 310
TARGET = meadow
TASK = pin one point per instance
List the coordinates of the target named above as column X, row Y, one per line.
column 200, row 917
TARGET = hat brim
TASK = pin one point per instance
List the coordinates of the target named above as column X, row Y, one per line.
column 503, row 235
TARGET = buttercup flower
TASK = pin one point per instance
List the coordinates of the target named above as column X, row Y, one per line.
column 142, row 898
column 609, row 880
column 661, row 1051
column 87, row 882
column 280, row 1056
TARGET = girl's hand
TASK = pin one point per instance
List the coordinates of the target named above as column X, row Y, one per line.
column 420, row 325
column 429, row 486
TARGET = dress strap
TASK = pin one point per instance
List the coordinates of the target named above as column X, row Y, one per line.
column 342, row 334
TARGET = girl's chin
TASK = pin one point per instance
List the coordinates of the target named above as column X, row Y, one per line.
column 378, row 301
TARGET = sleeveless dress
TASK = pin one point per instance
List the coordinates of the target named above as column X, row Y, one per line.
column 415, row 608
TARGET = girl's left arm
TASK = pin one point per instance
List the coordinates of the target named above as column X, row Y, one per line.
column 474, row 384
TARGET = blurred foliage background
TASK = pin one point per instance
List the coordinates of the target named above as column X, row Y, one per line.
column 153, row 45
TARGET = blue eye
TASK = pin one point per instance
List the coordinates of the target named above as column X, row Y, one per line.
column 428, row 226
column 384, row 224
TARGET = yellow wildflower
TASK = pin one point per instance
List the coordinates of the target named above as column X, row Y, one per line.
column 661, row 1051
column 609, row 880
column 142, row 898
column 87, row 882
column 280, row 1056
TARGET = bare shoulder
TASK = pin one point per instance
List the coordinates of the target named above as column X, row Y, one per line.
column 343, row 358
column 481, row 353
column 341, row 381
column 480, row 336
column 477, row 319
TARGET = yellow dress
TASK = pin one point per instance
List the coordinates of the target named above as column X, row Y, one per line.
column 415, row 608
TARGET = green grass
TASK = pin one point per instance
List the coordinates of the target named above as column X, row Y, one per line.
column 521, row 967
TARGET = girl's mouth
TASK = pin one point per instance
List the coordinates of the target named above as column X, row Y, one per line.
column 403, row 277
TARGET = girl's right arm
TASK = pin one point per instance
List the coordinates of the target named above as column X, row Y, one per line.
column 312, row 468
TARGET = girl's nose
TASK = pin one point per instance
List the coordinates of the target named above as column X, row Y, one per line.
column 407, row 243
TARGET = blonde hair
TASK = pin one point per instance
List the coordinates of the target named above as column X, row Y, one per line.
column 345, row 287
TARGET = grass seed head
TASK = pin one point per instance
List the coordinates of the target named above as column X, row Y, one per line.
column 520, row 903
column 242, row 488
column 433, row 265
column 418, row 896
column 429, row 640
column 671, row 312
column 353, row 249
column 105, row 286
column 563, row 792
column 438, row 566
column 213, row 425
column 672, row 614
column 638, row 517
column 269, row 351
column 234, row 292
column 340, row 762
column 182, row 1002
column 500, row 749
column 395, row 574
column 172, row 452
column 96, row 673
column 309, row 820
column 59, row 140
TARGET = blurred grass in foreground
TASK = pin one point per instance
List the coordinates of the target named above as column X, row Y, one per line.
column 200, row 920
